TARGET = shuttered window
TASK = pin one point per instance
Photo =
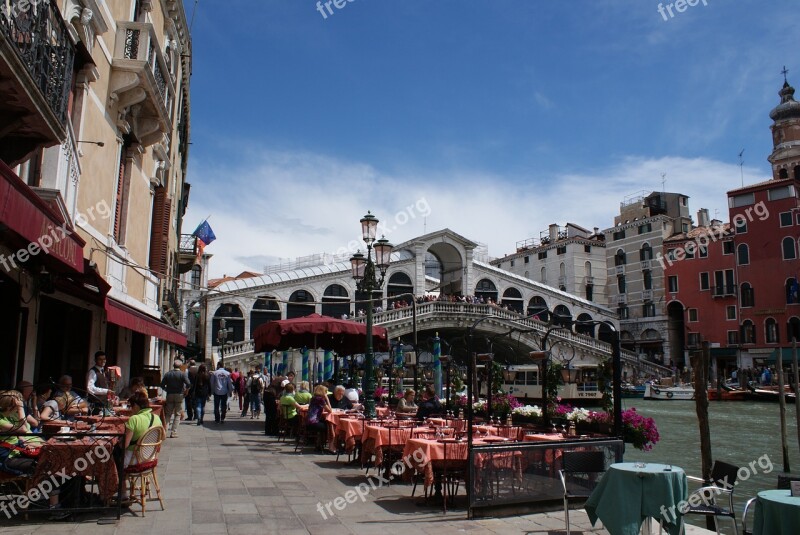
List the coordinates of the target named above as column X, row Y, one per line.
column 159, row 232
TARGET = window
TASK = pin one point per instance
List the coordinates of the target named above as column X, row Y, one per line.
column 587, row 248
column 743, row 255
column 527, row 259
column 649, row 310
column 197, row 277
column 542, row 255
column 792, row 292
column 693, row 314
column 793, row 329
column 672, row 283
column 619, row 235
column 621, row 283
column 727, row 247
column 647, row 227
column 703, row 251
column 730, row 312
column 788, row 248
column 704, row 282
column 122, row 192
column 544, row 274
column 646, row 252
column 786, row 219
column 589, row 292
column 780, row 193
column 619, row 258
column 690, row 248
column 561, row 249
column 730, row 283
column 648, row 279
column 622, row 310
column 512, row 263
column 748, row 295
column 671, row 255
column 740, row 224
column 719, row 283
column 685, row 228
column 693, row 339
column 771, row 331
column 742, row 200
column 733, row 338
column 588, row 268
column 748, row 332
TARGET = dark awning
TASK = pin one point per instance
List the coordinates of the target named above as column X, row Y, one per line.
column 24, row 213
column 125, row 316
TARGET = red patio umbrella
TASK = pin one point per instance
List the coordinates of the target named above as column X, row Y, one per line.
column 319, row 332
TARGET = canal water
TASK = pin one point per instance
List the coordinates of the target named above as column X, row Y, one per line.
column 742, row 432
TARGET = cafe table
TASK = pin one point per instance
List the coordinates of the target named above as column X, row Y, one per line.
column 630, row 493
column 777, row 512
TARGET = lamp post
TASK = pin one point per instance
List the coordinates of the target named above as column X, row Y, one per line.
column 222, row 337
column 368, row 280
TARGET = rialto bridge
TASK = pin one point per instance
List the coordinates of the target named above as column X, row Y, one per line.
column 441, row 263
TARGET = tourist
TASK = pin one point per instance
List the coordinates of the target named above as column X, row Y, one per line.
column 290, row 377
column 49, row 410
column 176, row 384
column 289, row 406
column 255, row 388
column 188, row 400
column 303, row 396
column 141, row 420
column 73, row 404
column 200, row 392
column 429, row 405
column 136, row 385
column 221, row 387
column 271, row 408
column 406, row 405
column 318, row 407
column 240, row 389
column 29, row 405
column 338, row 400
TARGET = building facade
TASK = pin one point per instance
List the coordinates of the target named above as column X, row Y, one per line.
column 571, row 259
column 95, row 107
column 636, row 277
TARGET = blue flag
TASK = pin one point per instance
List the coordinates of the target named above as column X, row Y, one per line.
column 204, row 233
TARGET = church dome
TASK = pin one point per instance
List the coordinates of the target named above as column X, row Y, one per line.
column 789, row 108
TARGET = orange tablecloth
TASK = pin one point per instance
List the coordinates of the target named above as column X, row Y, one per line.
column 551, row 455
column 90, row 456
column 514, row 432
column 382, row 411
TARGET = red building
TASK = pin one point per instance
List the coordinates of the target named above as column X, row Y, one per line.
column 735, row 285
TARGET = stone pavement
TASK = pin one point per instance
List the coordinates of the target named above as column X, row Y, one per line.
column 230, row 478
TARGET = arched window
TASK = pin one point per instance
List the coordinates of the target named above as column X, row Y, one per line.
column 234, row 323
column 543, row 275
column 588, row 268
column 399, row 284
column 537, row 305
column 789, row 249
column 335, row 301
column 512, row 298
column 619, row 258
column 784, row 173
column 771, row 331
column 580, row 328
column 646, row 252
column 748, row 295
column 621, row 283
column 487, row 290
column 742, row 255
column 562, row 316
column 562, row 270
column 793, row 329
column 296, row 307
column 265, row 309
column 792, row 292
column 748, row 332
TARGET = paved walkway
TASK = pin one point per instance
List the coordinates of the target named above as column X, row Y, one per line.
column 230, row 478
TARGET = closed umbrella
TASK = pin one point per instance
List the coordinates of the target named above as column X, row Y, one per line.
column 285, row 363
column 328, row 368
column 305, row 364
column 437, row 365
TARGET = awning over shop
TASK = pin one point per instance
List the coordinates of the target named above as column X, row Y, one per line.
column 129, row 318
column 723, row 352
column 772, row 358
column 89, row 285
column 32, row 219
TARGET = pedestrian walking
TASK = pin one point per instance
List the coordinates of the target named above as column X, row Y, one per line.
column 255, row 386
column 200, row 392
column 222, row 388
column 176, row 384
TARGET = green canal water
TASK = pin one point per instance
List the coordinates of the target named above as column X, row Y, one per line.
column 741, row 432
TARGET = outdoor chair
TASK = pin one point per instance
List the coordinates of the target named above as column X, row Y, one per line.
column 304, row 435
column 398, row 436
column 580, row 473
column 452, row 469
column 284, row 425
column 723, row 481
column 141, row 475
column 749, row 503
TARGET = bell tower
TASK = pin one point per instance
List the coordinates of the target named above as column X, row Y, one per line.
column 785, row 157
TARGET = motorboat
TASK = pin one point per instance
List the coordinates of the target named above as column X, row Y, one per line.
column 632, row 391
column 661, row 392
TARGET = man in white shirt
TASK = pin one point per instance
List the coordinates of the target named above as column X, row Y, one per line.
column 97, row 383
column 221, row 387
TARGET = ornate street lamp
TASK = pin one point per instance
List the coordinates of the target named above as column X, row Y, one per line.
column 222, row 337
column 368, row 280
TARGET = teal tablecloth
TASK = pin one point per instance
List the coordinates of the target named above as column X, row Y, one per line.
column 777, row 513
column 627, row 495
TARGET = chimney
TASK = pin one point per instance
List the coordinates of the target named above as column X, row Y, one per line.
column 702, row 217
column 596, row 231
column 553, row 232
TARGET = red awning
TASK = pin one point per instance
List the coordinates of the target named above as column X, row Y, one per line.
column 27, row 215
column 132, row 319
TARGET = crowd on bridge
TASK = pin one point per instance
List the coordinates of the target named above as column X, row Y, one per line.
column 397, row 304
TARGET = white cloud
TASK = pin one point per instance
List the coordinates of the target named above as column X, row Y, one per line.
column 280, row 205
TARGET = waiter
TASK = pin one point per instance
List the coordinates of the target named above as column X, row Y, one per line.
column 98, row 384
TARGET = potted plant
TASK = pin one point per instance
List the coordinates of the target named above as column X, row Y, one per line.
column 526, row 414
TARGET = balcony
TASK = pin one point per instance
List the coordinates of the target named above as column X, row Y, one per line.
column 589, row 280
column 187, row 252
column 36, row 61
column 723, row 291
column 170, row 308
column 621, row 299
column 647, row 295
column 619, row 270
column 646, row 264
column 141, row 83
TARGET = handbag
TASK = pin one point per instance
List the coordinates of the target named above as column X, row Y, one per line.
column 31, row 453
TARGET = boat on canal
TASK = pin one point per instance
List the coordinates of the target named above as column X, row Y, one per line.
column 581, row 388
column 630, row 391
column 668, row 393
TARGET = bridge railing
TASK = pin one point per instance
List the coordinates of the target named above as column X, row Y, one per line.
column 238, row 348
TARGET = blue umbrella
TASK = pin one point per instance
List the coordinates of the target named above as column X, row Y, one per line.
column 437, row 365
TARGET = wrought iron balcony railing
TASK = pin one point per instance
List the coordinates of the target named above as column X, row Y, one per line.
column 188, row 245
column 726, row 290
column 38, row 34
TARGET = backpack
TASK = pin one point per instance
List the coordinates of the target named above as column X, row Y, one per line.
column 255, row 385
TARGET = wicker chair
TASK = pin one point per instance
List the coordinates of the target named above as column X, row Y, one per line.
column 142, row 474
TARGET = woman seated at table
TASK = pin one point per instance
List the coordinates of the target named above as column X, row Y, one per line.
column 406, row 404
column 289, row 406
column 15, row 436
column 137, row 425
column 430, row 405
column 136, row 385
column 73, row 405
column 317, row 409
column 303, row 396
column 49, row 409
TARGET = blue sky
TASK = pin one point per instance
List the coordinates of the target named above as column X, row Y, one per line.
column 497, row 117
